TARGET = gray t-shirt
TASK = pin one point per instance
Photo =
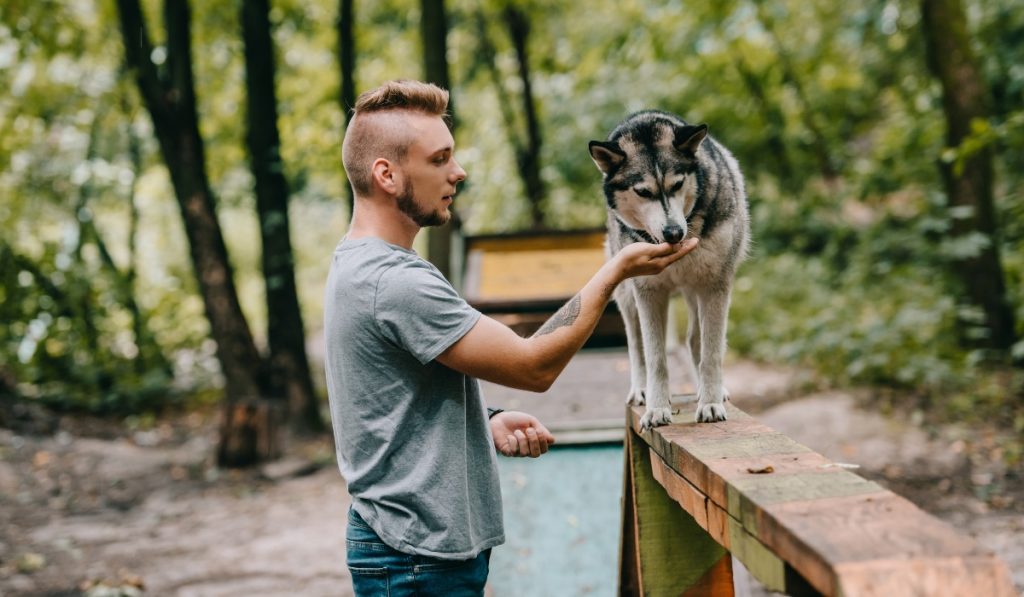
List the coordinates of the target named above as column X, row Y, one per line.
column 412, row 435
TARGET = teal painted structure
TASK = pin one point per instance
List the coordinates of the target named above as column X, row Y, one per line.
column 562, row 523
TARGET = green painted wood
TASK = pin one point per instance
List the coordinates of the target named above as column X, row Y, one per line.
column 762, row 564
column 674, row 551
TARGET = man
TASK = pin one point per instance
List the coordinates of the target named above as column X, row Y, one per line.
column 404, row 353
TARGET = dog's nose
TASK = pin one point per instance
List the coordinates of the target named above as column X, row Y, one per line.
column 673, row 234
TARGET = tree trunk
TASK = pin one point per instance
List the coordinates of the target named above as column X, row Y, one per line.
column 170, row 99
column 434, row 33
column 289, row 367
column 347, row 62
column 528, row 157
column 964, row 98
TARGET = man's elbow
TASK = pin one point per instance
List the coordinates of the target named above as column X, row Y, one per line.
column 538, row 385
column 540, row 380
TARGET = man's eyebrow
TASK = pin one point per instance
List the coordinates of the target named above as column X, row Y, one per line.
column 441, row 150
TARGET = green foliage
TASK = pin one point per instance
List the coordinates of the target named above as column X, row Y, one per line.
column 828, row 107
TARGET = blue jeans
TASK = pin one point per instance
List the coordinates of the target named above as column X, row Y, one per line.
column 379, row 570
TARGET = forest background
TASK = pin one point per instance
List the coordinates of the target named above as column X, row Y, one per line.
column 881, row 143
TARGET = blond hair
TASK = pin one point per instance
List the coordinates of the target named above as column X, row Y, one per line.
column 375, row 133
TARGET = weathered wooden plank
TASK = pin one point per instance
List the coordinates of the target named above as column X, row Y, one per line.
column 679, row 489
column 769, row 569
column 831, row 538
column 780, row 503
column 976, row 576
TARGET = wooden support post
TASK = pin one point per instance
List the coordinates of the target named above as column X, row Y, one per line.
column 664, row 551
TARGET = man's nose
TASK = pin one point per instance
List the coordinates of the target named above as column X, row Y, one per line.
column 459, row 174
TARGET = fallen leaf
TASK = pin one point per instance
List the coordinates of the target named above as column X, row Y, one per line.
column 761, row 471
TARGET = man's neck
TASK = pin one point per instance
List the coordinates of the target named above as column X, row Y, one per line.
column 377, row 219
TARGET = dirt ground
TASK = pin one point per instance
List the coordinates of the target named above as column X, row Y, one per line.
column 102, row 510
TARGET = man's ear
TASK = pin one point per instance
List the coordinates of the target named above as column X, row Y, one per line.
column 607, row 155
column 384, row 175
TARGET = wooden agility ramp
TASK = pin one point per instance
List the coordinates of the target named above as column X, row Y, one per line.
column 698, row 494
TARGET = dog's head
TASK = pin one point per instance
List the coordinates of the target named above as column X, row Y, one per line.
column 649, row 164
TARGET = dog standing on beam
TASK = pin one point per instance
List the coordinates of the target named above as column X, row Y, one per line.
column 666, row 180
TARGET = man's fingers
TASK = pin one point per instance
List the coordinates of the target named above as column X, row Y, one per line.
column 511, row 446
column 663, row 250
column 523, row 443
column 678, row 251
column 684, row 247
column 546, row 439
column 531, row 436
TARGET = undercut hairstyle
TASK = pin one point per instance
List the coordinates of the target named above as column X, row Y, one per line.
column 377, row 128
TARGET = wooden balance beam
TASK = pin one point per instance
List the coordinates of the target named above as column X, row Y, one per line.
column 800, row 523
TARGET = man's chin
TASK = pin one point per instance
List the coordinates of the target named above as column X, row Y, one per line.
column 439, row 218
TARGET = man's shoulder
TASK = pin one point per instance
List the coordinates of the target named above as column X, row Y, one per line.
column 381, row 263
column 375, row 253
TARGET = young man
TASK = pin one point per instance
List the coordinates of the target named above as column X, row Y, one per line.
column 404, row 352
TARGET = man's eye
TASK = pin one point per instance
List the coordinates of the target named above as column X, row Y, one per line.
column 646, row 193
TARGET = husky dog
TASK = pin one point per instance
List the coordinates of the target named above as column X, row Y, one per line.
column 665, row 180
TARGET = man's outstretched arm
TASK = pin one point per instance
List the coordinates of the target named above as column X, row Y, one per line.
column 492, row 351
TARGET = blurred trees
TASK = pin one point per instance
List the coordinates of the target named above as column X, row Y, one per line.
column 434, row 39
column 169, row 96
column 969, row 181
column 858, row 255
column 347, row 65
column 289, row 367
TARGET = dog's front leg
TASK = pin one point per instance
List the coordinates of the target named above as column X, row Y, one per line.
column 625, row 299
column 711, row 393
column 652, row 310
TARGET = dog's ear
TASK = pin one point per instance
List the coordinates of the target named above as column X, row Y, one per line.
column 607, row 155
column 688, row 138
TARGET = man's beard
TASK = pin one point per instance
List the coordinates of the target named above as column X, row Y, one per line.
column 423, row 218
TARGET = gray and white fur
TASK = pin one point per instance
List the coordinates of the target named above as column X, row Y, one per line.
column 666, row 180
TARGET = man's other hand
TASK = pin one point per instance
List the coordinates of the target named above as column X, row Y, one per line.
column 519, row 434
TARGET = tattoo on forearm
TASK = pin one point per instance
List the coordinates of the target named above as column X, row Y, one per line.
column 565, row 317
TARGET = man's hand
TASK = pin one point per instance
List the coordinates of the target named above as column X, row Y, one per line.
column 519, row 434
column 645, row 259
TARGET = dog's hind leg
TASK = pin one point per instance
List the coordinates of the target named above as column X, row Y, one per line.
column 652, row 309
column 711, row 394
column 625, row 299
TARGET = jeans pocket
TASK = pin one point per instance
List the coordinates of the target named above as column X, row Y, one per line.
column 370, row 582
column 465, row 578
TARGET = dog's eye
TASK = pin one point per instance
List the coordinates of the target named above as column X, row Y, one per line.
column 646, row 193
column 675, row 188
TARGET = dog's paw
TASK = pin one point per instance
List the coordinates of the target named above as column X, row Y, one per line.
column 655, row 417
column 709, row 413
column 636, row 398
